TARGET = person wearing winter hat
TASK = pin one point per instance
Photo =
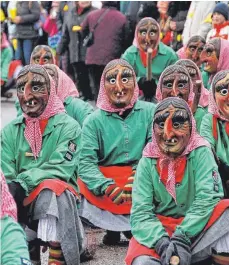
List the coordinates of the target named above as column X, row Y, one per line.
column 220, row 22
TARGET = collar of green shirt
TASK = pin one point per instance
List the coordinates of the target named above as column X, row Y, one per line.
column 137, row 106
column 161, row 49
column 52, row 123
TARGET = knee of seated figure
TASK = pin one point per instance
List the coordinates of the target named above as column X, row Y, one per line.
column 145, row 260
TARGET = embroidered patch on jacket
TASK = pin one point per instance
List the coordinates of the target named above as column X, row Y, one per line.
column 215, row 177
column 71, row 146
column 68, row 156
column 25, row 261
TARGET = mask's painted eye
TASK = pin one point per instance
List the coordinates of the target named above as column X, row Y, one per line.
column 161, row 125
column 112, row 81
column 37, row 60
column 176, row 125
column 224, row 91
column 181, row 85
column 168, row 85
column 192, row 49
column 143, row 33
column 125, row 80
column 35, row 88
column 21, row 89
column 152, row 34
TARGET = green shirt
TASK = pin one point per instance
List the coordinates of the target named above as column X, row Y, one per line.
column 109, row 140
column 165, row 57
column 57, row 159
column 196, row 198
column 14, row 250
column 206, row 131
column 198, row 115
column 75, row 108
column 6, row 58
column 206, row 76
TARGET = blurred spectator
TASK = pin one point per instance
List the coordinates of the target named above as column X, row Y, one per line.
column 198, row 21
column 220, row 22
column 27, row 14
column 177, row 11
column 50, row 26
column 72, row 38
column 109, row 40
column 6, row 57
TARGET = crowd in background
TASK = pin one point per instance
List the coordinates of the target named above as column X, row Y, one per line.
column 63, row 26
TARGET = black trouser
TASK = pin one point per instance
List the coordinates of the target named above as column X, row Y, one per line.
column 95, row 72
column 82, row 79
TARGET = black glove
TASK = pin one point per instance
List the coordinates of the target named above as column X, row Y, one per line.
column 224, row 171
column 161, row 248
column 148, row 88
column 19, row 195
column 181, row 248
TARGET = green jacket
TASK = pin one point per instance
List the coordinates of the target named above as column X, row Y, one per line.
column 206, row 76
column 14, row 250
column 56, row 159
column 196, row 198
column 198, row 115
column 75, row 108
column 6, row 58
column 165, row 57
column 206, row 131
column 109, row 140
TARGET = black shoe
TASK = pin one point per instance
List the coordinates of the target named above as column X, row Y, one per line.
column 86, row 255
column 127, row 234
column 111, row 238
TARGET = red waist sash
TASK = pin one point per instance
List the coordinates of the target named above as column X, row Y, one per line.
column 120, row 176
column 135, row 249
column 56, row 185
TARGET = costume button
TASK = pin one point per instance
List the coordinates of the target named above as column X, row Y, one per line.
column 126, row 141
column 126, row 154
column 182, row 205
column 178, row 185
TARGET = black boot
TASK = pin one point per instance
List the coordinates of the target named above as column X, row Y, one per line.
column 111, row 238
column 127, row 234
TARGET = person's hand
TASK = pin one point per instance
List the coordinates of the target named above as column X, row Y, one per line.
column 17, row 20
column 173, row 25
column 127, row 190
column 114, row 193
column 161, row 248
column 179, row 247
column 148, row 87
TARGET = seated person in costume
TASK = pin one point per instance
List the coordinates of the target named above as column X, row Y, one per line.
column 215, row 58
column 113, row 138
column 193, row 49
column 39, row 159
column 14, row 249
column 42, row 54
column 175, row 81
column 215, row 125
column 176, row 211
column 147, row 40
column 201, row 93
column 68, row 93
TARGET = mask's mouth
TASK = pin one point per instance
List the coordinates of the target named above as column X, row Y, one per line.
column 120, row 94
column 171, row 142
column 31, row 103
